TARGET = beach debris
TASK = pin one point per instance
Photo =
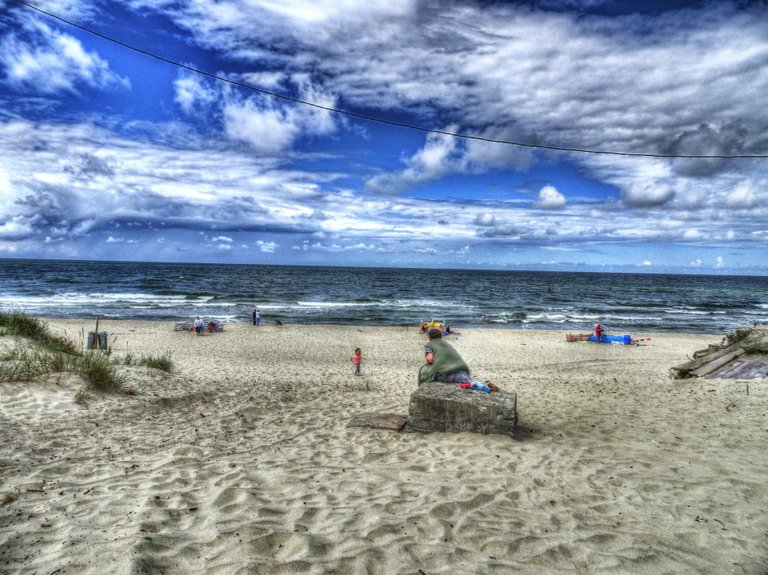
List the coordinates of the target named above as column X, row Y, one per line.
column 742, row 354
column 445, row 407
column 572, row 337
column 377, row 420
column 613, row 339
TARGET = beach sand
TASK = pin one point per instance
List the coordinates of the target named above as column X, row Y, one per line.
column 242, row 462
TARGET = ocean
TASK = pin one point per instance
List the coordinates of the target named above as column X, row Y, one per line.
column 623, row 303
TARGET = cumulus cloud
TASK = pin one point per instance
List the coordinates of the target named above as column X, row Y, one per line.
column 192, row 93
column 444, row 154
column 550, row 199
column 39, row 58
column 647, row 194
column 440, row 155
column 485, row 219
column 267, row 125
column 746, row 195
column 729, row 138
column 266, row 247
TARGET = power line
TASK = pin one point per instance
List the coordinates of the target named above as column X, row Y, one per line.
column 383, row 120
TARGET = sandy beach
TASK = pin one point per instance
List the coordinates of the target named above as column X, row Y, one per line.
column 241, row 460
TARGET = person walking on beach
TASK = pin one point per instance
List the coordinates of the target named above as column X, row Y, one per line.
column 443, row 362
column 256, row 316
column 357, row 359
column 199, row 325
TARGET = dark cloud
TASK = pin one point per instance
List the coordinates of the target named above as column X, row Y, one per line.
column 89, row 165
column 728, row 138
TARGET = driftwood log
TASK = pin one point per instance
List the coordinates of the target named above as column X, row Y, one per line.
column 746, row 349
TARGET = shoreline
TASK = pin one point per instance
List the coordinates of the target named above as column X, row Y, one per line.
column 405, row 325
column 241, row 461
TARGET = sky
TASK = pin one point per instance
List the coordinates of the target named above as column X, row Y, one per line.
column 391, row 133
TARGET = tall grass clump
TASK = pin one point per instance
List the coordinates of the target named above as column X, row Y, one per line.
column 23, row 325
column 161, row 362
column 100, row 374
column 53, row 354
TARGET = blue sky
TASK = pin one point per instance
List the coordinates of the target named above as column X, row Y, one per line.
column 106, row 153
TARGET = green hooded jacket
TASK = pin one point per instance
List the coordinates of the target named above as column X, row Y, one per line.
column 446, row 361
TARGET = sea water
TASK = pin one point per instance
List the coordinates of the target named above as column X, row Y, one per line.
column 623, row 303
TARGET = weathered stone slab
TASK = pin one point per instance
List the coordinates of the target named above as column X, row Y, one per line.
column 447, row 407
column 376, row 420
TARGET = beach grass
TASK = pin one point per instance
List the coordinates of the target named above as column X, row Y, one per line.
column 20, row 324
column 162, row 362
column 46, row 353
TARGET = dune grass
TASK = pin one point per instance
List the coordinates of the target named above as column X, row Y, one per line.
column 162, row 362
column 47, row 353
column 20, row 324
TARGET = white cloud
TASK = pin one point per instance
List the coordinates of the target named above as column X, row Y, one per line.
column 52, row 62
column 692, row 234
column 745, row 195
column 192, row 93
column 439, row 156
column 647, row 194
column 266, row 130
column 550, row 199
column 485, row 219
column 266, row 247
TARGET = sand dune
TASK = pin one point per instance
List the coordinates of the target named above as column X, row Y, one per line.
column 241, row 461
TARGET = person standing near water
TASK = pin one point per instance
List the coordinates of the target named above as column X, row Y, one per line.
column 357, row 359
column 256, row 316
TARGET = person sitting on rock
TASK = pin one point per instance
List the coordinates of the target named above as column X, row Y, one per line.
column 443, row 362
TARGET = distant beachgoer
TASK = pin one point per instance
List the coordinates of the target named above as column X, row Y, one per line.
column 256, row 316
column 199, row 325
column 443, row 363
column 598, row 332
column 357, row 359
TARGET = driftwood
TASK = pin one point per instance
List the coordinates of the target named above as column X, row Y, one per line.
column 742, row 354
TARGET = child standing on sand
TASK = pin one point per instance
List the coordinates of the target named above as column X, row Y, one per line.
column 357, row 359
